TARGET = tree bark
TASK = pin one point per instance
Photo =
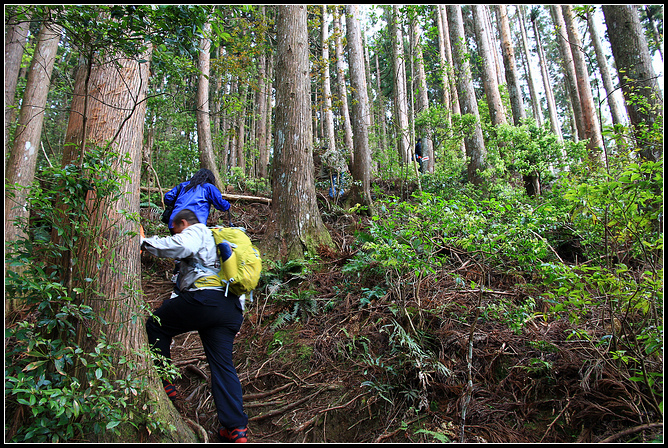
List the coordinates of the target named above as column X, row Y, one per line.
column 636, row 76
column 618, row 116
column 510, row 66
column 361, row 189
column 422, row 96
column 262, row 100
column 533, row 92
column 20, row 168
column 15, row 41
column 454, row 95
column 299, row 226
column 551, row 106
column 592, row 130
column 476, row 152
column 343, row 91
column 204, row 140
column 400, row 93
column 108, row 111
column 330, row 135
column 489, row 78
column 569, row 68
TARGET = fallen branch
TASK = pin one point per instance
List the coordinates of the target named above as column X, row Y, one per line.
column 289, row 406
column 309, row 422
column 227, row 197
column 635, row 429
column 387, row 435
column 259, row 395
column 555, row 421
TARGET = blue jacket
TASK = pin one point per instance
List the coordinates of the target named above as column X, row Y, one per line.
column 198, row 199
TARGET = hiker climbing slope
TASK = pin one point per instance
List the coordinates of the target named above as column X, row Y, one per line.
column 216, row 314
column 196, row 194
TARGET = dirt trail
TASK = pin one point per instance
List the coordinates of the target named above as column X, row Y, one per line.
column 303, row 381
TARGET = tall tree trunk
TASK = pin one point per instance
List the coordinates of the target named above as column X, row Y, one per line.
column 569, row 68
column 330, row 135
column 531, row 181
column 476, row 152
column 636, row 76
column 591, row 123
column 299, row 226
column 547, row 85
column 489, row 78
column 443, row 61
column 108, row 110
column 204, row 140
column 343, row 91
column 422, row 96
column 361, row 191
column 512, row 78
column 381, row 107
column 618, row 116
column 454, row 95
column 20, row 168
column 241, row 128
column 533, row 92
column 262, row 100
column 400, row 93
column 15, row 41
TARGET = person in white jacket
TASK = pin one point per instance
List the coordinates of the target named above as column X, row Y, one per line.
column 215, row 315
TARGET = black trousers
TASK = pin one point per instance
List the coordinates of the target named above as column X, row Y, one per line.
column 217, row 319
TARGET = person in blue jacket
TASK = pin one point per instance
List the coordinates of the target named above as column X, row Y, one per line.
column 196, row 194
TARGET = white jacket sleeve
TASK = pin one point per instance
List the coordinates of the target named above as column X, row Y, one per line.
column 179, row 246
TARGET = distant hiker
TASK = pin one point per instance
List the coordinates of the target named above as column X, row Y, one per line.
column 196, row 194
column 208, row 310
column 333, row 168
column 418, row 154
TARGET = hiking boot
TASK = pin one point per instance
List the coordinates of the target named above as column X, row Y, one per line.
column 236, row 435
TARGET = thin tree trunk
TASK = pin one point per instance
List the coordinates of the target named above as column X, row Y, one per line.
column 422, row 97
column 617, row 113
column 20, row 168
column 343, row 91
column 476, row 152
column 489, row 78
column 360, row 192
column 533, row 91
column 512, row 78
column 569, row 68
column 204, row 140
column 381, row 108
column 330, row 135
column 15, row 41
column 591, row 124
column 551, row 107
column 261, row 101
column 400, row 97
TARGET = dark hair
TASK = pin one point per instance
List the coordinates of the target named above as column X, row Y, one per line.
column 188, row 215
column 203, row 176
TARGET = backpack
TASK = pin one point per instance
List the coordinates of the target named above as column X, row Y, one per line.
column 241, row 271
column 170, row 208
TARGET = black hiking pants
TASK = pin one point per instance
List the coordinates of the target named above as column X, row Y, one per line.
column 217, row 319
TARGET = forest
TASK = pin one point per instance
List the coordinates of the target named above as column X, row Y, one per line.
column 459, row 210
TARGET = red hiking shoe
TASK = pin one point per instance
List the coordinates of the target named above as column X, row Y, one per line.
column 236, row 435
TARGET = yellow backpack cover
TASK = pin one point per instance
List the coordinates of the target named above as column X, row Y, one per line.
column 241, row 271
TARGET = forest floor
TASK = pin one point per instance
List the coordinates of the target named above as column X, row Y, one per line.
column 303, row 381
